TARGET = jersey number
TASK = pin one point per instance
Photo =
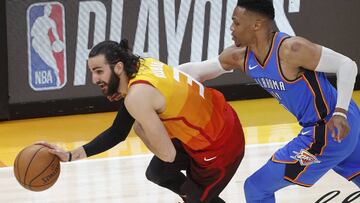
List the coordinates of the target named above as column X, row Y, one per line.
column 157, row 69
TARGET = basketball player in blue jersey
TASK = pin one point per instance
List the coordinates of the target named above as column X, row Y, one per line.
column 292, row 69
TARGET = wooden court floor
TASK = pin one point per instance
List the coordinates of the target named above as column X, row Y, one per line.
column 118, row 174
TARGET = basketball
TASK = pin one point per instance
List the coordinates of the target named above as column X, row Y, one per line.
column 36, row 169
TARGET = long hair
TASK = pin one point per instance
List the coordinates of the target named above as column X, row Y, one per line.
column 115, row 52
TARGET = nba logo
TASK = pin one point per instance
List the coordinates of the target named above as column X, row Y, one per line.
column 46, row 46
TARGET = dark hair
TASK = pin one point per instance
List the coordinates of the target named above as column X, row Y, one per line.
column 264, row 7
column 115, row 52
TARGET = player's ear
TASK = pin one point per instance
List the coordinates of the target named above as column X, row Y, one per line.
column 258, row 23
column 119, row 68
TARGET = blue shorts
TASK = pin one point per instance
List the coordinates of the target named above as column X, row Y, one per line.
column 314, row 152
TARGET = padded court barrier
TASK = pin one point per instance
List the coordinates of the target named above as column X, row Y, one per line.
column 4, row 111
column 31, row 88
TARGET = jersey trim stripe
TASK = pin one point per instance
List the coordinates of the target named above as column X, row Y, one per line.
column 296, row 182
column 208, row 188
column 322, row 94
column 269, row 54
column 246, row 60
column 294, row 171
column 206, row 136
column 320, row 104
column 353, row 176
column 313, row 93
column 320, row 140
column 141, row 82
column 282, row 162
column 301, row 172
column 278, row 64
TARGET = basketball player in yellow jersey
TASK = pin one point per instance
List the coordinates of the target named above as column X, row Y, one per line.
column 186, row 125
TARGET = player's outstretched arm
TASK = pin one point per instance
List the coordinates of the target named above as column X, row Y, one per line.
column 142, row 102
column 233, row 57
column 112, row 136
column 299, row 52
column 230, row 59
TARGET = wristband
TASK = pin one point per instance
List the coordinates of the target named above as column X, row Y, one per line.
column 340, row 114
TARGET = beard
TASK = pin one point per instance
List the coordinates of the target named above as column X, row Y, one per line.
column 113, row 84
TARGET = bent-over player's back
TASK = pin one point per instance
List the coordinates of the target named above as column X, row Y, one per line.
column 194, row 114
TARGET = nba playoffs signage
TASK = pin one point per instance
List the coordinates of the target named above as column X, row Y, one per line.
column 48, row 41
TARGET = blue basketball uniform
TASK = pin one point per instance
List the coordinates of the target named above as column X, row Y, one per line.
column 311, row 99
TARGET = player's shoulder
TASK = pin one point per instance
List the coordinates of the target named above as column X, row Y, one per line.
column 137, row 95
column 141, row 95
column 294, row 43
column 146, row 61
column 292, row 46
column 151, row 62
column 232, row 57
column 234, row 50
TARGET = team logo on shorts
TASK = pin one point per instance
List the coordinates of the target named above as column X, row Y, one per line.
column 46, row 46
column 305, row 158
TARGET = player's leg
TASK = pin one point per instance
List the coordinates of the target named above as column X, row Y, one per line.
column 214, row 192
column 211, row 171
column 206, row 185
column 169, row 175
column 349, row 168
column 261, row 186
column 303, row 161
column 192, row 193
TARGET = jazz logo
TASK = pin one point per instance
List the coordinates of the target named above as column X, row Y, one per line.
column 46, row 46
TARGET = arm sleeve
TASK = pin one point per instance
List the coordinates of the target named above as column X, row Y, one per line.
column 117, row 133
column 346, row 72
column 205, row 70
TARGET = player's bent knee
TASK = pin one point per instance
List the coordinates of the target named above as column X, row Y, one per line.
column 250, row 189
column 152, row 175
column 155, row 173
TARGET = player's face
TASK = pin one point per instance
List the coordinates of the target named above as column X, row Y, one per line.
column 103, row 75
column 241, row 27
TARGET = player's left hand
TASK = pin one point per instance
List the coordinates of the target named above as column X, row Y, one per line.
column 341, row 124
column 62, row 154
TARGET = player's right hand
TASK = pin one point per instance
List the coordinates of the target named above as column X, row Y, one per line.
column 54, row 149
column 341, row 125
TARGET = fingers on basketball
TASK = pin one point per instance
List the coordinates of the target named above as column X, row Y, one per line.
column 36, row 169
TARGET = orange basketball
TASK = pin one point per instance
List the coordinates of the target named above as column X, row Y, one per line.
column 36, row 169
